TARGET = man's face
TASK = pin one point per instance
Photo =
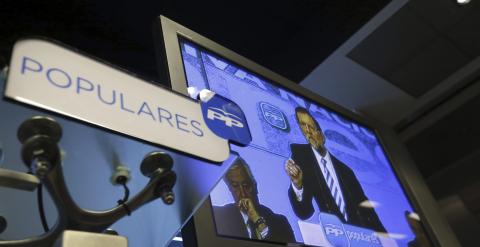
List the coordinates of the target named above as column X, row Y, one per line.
column 309, row 129
column 240, row 184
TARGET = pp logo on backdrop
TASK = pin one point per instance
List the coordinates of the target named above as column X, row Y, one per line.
column 274, row 116
column 224, row 118
column 334, row 230
column 344, row 235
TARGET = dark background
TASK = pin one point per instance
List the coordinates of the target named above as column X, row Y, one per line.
column 289, row 37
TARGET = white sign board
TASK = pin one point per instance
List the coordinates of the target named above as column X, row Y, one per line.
column 52, row 77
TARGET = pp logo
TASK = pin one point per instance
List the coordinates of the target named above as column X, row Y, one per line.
column 230, row 120
column 333, row 229
column 224, row 118
column 274, row 116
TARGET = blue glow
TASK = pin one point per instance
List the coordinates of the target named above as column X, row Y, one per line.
column 270, row 112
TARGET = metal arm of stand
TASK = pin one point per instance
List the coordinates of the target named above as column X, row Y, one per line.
column 72, row 217
column 39, row 137
column 18, row 180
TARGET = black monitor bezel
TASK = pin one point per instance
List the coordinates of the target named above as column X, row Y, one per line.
column 169, row 33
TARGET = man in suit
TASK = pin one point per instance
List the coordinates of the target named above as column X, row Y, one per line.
column 316, row 174
column 246, row 217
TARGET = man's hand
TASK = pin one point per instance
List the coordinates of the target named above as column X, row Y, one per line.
column 295, row 173
column 246, row 205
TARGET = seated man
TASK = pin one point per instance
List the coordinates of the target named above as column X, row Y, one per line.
column 246, row 217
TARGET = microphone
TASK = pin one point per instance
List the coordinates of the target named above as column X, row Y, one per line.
column 156, row 163
column 39, row 137
column 39, row 126
column 160, row 164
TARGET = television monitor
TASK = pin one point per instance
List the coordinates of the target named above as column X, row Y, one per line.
column 315, row 174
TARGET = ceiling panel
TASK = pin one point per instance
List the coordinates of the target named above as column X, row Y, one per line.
column 441, row 14
column 459, row 175
column 393, row 44
column 429, row 67
column 466, row 33
column 449, row 140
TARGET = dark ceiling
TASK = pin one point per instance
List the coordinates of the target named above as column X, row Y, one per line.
column 289, row 37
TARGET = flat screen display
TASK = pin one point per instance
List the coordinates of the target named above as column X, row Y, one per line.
column 310, row 175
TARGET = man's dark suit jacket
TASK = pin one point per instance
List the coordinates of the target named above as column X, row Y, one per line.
column 229, row 222
column 314, row 186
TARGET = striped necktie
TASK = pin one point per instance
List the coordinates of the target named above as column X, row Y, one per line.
column 334, row 189
column 251, row 229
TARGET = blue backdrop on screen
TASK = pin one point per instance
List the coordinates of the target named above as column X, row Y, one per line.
column 270, row 112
